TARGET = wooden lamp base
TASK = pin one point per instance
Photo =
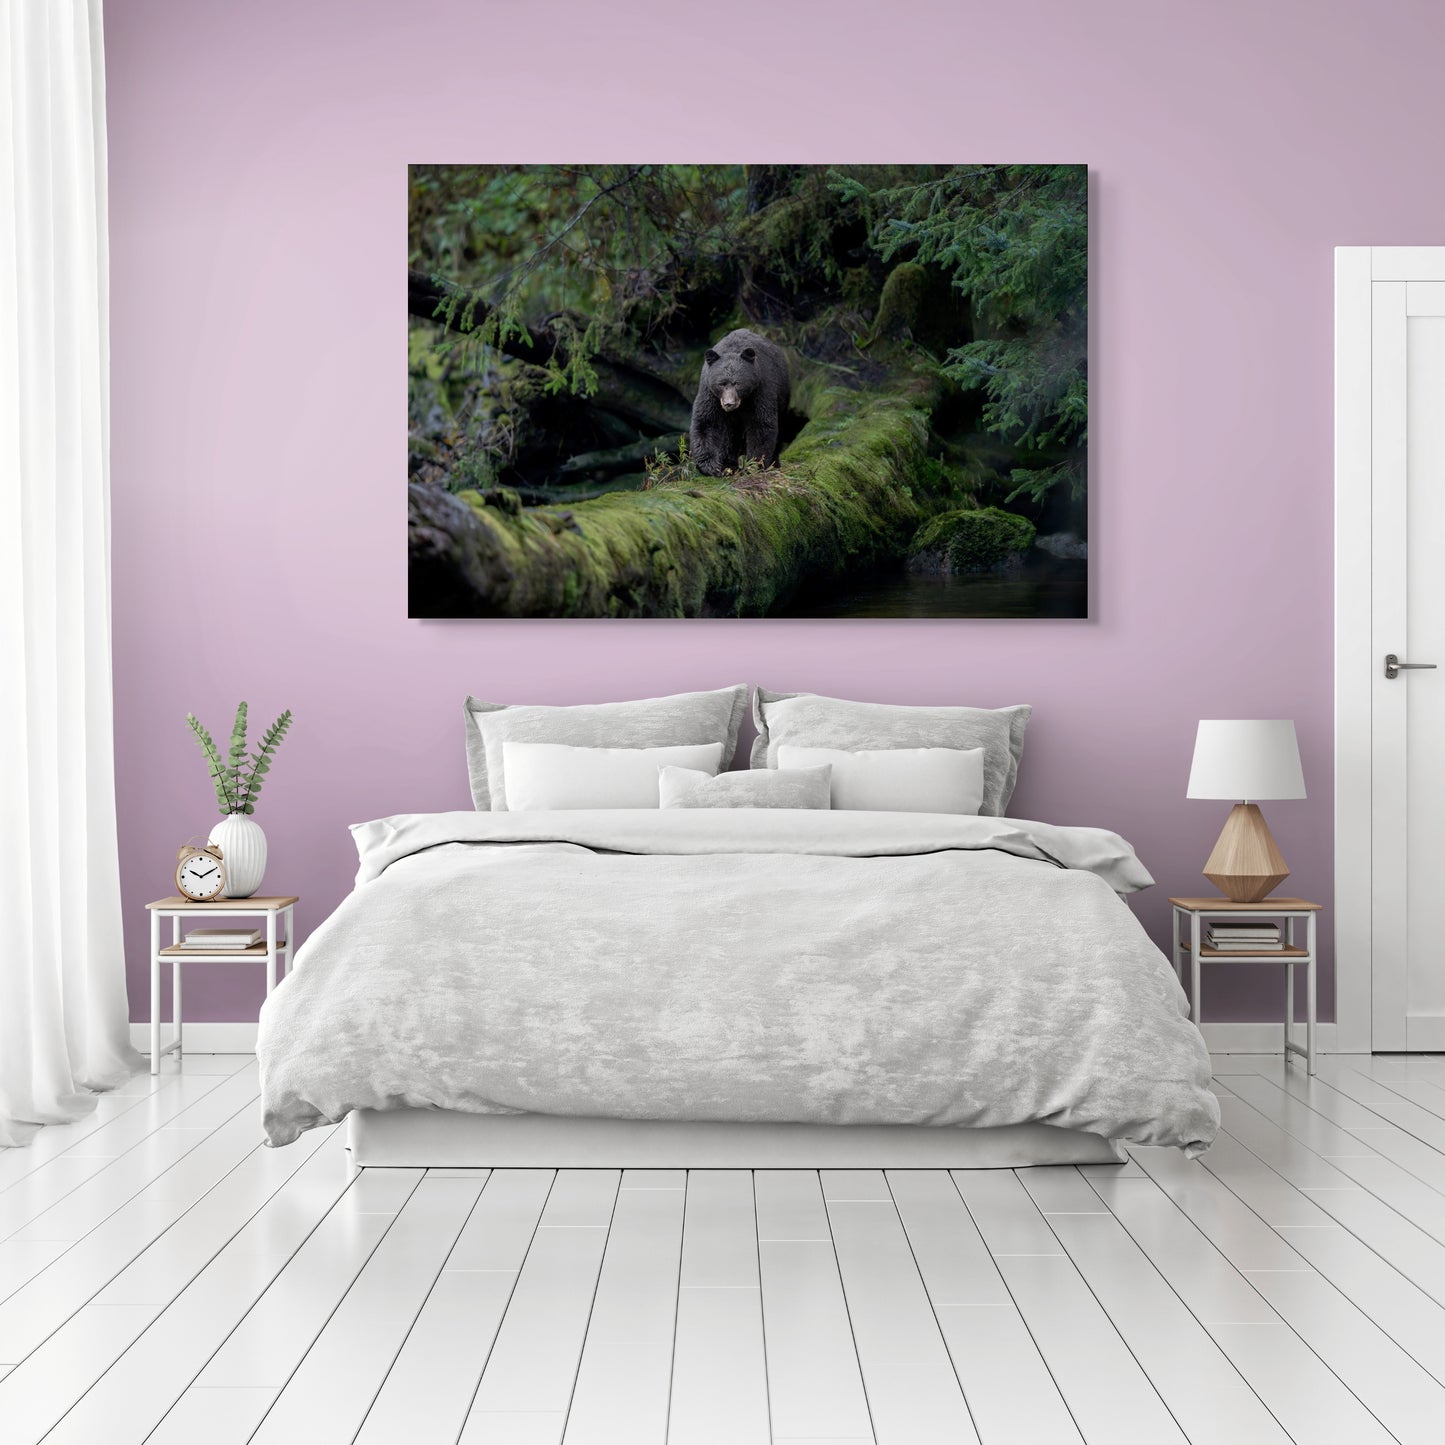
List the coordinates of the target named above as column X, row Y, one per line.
column 1246, row 864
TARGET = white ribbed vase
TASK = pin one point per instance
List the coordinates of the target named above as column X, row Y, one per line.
column 243, row 851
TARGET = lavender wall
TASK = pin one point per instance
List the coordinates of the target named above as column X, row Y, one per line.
column 258, row 200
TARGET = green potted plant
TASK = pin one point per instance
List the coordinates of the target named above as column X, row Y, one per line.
column 237, row 780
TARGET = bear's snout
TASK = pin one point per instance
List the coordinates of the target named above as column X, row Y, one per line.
column 729, row 399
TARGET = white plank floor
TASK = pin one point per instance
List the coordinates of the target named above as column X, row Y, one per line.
column 164, row 1278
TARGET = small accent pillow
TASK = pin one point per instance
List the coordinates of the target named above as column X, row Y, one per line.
column 542, row 776
column 898, row 780
column 808, row 720
column 650, row 722
column 770, row 788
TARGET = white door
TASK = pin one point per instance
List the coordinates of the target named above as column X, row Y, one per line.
column 1396, row 579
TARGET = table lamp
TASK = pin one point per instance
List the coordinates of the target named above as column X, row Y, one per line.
column 1246, row 760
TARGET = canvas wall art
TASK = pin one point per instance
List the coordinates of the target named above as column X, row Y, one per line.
column 748, row 391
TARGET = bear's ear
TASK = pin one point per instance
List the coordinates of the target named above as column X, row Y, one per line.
column 748, row 354
column 712, row 358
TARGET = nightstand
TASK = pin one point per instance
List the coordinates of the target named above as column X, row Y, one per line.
column 273, row 951
column 1200, row 910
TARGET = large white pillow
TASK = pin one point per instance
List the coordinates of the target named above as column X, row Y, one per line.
column 806, row 720
column 553, row 775
column 897, row 780
column 650, row 722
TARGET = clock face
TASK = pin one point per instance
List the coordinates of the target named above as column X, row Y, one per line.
column 200, row 876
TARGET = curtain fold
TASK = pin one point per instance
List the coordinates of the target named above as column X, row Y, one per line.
column 63, row 1011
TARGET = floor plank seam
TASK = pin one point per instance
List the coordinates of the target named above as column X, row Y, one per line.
column 386, row 1374
column 591, row 1305
column 140, row 1143
column 71, row 1152
column 331, row 1314
column 762, row 1303
column 1404, row 1098
column 255, row 1213
column 676, row 1306
column 932, row 1304
column 1363, row 1242
column 1386, row 1127
column 147, row 1245
column 1308, row 1190
column 1169, row 1410
column 160, row 1311
column 1022, row 1317
column 521, row 1265
column 1203, row 1324
column 1329, row 1282
column 114, row 1158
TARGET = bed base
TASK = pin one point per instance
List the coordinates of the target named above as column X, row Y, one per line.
column 444, row 1138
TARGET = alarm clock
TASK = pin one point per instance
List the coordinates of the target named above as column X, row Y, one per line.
column 200, row 873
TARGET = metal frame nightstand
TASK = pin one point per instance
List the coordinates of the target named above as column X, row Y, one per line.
column 1198, row 910
column 273, row 951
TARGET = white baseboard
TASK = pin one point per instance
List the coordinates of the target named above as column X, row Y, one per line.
column 1262, row 1038
column 201, row 1038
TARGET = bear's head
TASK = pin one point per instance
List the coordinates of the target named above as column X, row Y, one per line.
column 732, row 377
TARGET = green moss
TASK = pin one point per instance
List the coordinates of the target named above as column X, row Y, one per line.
column 858, row 289
column 901, row 306
column 848, row 492
column 983, row 540
column 423, row 358
column 504, row 499
column 781, row 228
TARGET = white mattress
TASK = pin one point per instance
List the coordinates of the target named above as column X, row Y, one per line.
column 444, row 1138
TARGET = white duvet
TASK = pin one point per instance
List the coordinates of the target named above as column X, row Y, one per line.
column 784, row 965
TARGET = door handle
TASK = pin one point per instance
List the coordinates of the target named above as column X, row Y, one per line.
column 1394, row 667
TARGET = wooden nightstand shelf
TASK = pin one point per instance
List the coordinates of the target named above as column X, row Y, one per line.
column 273, row 951
column 1199, row 910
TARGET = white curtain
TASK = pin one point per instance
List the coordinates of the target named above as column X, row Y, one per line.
column 63, row 1029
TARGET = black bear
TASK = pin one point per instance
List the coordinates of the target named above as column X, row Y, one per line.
column 740, row 403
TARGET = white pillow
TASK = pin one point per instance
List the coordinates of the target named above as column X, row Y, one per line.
column 754, row 788
column 805, row 720
column 897, row 780
column 541, row 776
column 651, row 722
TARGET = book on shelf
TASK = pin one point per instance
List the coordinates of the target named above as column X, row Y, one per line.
column 222, row 938
column 1230, row 947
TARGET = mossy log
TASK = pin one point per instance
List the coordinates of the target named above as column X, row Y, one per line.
column 850, row 491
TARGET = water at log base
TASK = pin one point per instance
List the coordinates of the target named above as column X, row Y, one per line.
column 1048, row 587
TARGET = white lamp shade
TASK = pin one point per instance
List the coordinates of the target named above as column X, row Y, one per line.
column 1246, row 760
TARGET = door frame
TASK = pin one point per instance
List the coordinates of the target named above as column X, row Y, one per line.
column 1363, row 1001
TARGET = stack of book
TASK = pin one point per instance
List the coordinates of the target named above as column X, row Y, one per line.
column 221, row 940
column 1244, row 937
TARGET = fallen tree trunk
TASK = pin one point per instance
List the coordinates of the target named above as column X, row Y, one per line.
column 849, row 492
column 637, row 396
column 602, row 466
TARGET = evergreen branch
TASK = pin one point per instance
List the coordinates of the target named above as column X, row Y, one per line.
column 530, row 263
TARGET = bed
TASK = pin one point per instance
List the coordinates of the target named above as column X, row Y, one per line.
column 735, row 988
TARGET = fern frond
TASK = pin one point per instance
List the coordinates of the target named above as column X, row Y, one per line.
column 215, row 767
